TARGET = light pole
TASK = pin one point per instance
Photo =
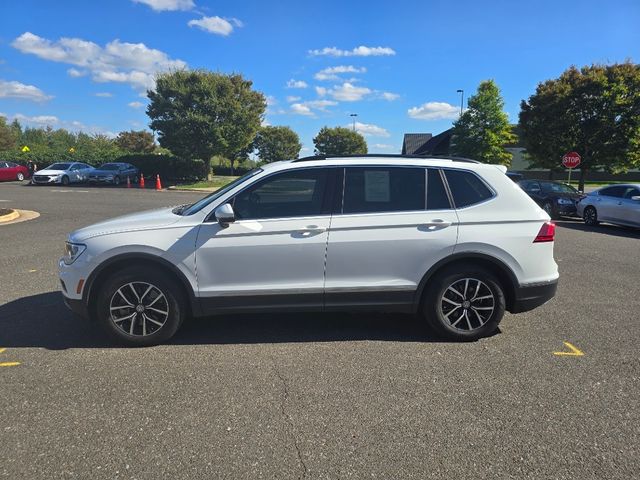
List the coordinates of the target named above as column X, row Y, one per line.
column 461, row 92
column 354, row 115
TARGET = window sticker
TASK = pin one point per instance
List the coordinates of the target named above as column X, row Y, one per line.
column 376, row 186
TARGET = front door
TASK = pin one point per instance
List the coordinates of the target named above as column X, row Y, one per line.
column 393, row 225
column 273, row 255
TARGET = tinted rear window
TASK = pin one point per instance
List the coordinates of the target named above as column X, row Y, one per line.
column 437, row 198
column 466, row 188
column 383, row 189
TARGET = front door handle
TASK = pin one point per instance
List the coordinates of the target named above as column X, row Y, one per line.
column 311, row 230
column 437, row 223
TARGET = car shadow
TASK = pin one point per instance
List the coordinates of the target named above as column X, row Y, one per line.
column 603, row 228
column 44, row 321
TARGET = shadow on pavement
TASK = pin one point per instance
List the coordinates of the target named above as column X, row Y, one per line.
column 44, row 321
column 603, row 228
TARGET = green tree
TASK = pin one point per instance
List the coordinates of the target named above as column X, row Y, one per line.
column 8, row 138
column 483, row 129
column 198, row 113
column 277, row 143
column 136, row 141
column 339, row 141
column 594, row 111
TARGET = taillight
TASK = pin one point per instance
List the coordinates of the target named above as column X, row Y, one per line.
column 546, row 233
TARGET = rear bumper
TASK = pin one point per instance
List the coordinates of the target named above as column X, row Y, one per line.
column 528, row 297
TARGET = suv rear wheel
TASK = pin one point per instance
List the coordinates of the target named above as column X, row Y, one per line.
column 140, row 306
column 464, row 303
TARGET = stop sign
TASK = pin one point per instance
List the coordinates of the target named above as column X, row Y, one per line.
column 571, row 160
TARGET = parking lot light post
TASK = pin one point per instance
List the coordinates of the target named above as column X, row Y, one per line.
column 354, row 115
column 461, row 92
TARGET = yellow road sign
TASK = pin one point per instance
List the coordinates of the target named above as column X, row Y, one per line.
column 71, row 150
column 26, row 149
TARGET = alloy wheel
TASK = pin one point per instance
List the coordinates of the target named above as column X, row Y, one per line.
column 139, row 308
column 590, row 216
column 467, row 304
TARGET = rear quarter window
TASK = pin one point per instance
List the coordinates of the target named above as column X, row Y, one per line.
column 467, row 188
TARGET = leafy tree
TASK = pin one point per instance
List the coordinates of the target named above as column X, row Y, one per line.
column 339, row 141
column 483, row 129
column 199, row 114
column 594, row 111
column 136, row 141
column 277, row 143
column 8, row 137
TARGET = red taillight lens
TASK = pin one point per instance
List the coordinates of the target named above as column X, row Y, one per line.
column 546, row 233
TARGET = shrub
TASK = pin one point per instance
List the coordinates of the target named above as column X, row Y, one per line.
column 168, row 167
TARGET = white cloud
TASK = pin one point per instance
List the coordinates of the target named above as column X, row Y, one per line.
column 216, row 25
column 320, row 104
column 13, row 89
column 331, row 73
column 53, row 121
column 75, row 73
column 122, row 62
column 168, row 5
column 389, row 96
column 104, row 94
column 296, row 84
column 271, row 101
column 383, row 146
column 434, row 111
column 301, row 109
column 40, row 120
column 370, row 130
column 136, row 104
column 321, row 91
column 291, row 98
column 360, row 51
column 348, row 92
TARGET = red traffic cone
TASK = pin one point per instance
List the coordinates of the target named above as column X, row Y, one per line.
column 128, row 182
column 141, row 180
column 158, row 184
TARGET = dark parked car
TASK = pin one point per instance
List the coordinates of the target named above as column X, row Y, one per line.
column 516, row 177
column 557, row 199
column 115, row 173
column 12, row 171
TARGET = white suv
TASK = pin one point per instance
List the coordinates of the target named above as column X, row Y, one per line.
column 452, row 239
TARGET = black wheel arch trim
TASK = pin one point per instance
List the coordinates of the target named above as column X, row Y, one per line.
column 95, row 274
column 456, row 257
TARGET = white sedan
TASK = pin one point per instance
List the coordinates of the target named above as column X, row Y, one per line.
column 63, row 173
column 618, row 204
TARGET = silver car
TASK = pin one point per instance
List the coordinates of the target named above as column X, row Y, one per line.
column 618, row 204
column 63, row 173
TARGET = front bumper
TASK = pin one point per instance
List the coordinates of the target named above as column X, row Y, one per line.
column 44, row 180
column 76, row 306
column 528, row 297
column 100, row 180
column 566, row 210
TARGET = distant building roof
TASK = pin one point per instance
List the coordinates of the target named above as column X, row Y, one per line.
column 413, row 141
column 438, row 145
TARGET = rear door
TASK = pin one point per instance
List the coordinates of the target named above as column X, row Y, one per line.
column 391, row 225
column 4, row 171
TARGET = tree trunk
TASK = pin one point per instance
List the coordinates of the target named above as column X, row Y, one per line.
column 231, row 161
column 583, row 175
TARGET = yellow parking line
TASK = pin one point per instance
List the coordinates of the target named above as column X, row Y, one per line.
column 9, row 364
column 575, row 352
column 2, row 350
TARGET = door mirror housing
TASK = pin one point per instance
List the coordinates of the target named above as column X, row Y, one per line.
column 636, row 198
column 225, row 215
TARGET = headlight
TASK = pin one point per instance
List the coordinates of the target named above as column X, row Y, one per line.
column 72, row 251
column 109, row 177
column 565, row 201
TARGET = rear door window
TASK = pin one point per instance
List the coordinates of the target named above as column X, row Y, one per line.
column 437, row 198
column 383, row 189
column 466, row 188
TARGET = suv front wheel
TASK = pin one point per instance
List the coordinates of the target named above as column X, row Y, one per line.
column 464, row 303
column 140, row 306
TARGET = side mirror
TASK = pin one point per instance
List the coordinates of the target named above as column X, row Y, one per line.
column 636, row 198
column 225, row 215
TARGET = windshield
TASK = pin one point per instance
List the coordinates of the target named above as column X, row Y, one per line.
column 58, row 166
column 558, row 188
column 109, row 166
column 200, row 204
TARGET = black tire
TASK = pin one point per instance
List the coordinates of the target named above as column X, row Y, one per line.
column 139, row 277
column 116, row 180
column 590, row 216
column 20, row 176
column 65, row 180
column 442, row 319
column 548, row 207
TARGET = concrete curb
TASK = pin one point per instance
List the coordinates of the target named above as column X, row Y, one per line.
column 204, row 190
column 21, row 216
column 9, row 216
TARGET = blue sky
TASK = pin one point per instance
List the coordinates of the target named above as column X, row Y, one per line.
column 85, row 64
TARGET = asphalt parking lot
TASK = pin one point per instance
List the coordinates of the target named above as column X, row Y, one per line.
column 315, row 396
